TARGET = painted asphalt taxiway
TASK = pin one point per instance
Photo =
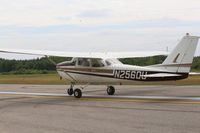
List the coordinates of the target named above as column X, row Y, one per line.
column 151, row 109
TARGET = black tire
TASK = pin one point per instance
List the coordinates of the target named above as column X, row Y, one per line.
column 70, row 91
column 77, row 93
column 110, row 90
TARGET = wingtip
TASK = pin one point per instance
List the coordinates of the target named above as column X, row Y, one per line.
column 188, row 35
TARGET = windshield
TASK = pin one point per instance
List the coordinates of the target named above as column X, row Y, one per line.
column 112, row 61
column 68, row 63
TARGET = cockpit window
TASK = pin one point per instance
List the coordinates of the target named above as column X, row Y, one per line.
column 83, row 62
column 87, row 62
column 97, row 63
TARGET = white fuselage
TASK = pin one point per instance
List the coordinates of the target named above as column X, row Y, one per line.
column 110, row 74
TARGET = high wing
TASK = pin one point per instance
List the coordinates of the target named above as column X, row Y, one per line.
column 85, row 54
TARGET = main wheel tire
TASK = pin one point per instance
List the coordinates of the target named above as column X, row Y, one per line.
column 70, row 91
column 110, row 90
column 77, row 93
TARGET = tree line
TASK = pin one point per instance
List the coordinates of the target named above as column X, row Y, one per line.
column 39, row 65
column 43, row 65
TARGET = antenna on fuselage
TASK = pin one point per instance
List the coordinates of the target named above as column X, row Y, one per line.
column 167, row 49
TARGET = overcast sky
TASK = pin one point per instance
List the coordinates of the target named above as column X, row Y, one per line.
column 96, row 25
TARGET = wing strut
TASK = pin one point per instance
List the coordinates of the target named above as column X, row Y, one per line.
column 49, row 58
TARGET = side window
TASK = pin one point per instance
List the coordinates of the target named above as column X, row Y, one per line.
column 83, row 62
column 97, row 63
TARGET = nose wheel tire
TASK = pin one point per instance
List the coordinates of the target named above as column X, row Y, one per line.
column 70, row 91
column 110, row 90
column 77, row 93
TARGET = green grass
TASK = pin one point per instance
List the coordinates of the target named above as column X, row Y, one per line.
column 53, row 79
column 31, row 79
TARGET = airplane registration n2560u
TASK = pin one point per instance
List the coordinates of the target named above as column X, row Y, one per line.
column 105, row 68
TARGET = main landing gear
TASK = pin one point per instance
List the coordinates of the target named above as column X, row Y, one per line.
column 77, row 92
column 110, row 90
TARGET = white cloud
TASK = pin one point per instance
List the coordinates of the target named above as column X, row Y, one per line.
column 97, row 25
column 49, row 12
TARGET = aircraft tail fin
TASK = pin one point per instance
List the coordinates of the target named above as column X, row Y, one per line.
column 180, row 59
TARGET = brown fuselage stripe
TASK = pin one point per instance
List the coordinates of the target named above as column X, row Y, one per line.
column 84, row 72
column 109, row 71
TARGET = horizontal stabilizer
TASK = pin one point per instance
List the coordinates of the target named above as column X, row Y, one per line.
column 161, row 75
column 194, row 74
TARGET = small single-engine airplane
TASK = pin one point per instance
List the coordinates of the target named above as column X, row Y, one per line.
column 105, row 68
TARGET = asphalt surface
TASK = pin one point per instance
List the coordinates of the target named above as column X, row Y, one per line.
column 134, row 109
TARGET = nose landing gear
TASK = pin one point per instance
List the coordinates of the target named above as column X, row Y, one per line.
column 70, row 91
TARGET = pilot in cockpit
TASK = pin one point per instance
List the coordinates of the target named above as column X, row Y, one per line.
column 84, row 62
